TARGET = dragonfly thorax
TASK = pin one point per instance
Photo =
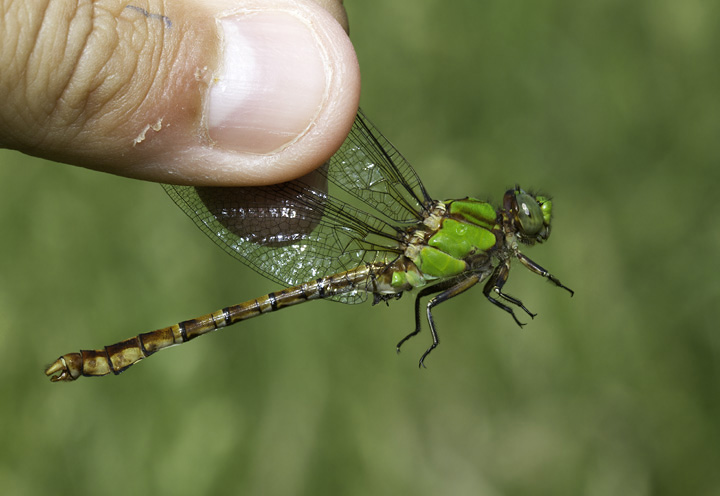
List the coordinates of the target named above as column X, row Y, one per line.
column 417, row 237
column 454, row 235
column 435, row 215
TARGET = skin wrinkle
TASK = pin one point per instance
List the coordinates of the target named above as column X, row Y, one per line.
column 32, row 80
column 157, row 55
column 164, row 82
column 157, row 74
column 99, row 90
column 135, row 37
column 158, row 119
column 15, row 63
column 100, row 85
column 31, row 76
column 65, row 115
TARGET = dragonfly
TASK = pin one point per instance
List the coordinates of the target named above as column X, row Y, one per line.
column 361, row 226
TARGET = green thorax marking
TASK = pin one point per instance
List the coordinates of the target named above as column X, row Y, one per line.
column 478, row 212
column 467, row 229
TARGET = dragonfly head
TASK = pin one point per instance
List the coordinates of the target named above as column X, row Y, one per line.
column 529, row 215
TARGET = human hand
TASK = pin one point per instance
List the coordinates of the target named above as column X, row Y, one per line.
column 203, row 92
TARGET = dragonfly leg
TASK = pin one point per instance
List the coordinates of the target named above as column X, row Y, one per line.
column 542, row 272
column 460, row 287
column 436, row 288
column 495, row 285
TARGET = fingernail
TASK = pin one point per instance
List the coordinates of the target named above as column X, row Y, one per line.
column 271, row 85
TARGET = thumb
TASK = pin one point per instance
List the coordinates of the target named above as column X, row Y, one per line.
column 218, row 92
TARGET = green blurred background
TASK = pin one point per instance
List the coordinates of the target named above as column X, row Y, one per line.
column 613, row 107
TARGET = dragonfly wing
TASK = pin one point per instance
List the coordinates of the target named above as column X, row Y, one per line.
column 368, row 167
column 296, row 232
column 290, row 233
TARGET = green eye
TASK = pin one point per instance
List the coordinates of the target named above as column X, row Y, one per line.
column 546, row 207
column 529, row 214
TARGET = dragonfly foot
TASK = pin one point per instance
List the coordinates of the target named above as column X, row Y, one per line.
column 402, row 341
column 560, row 285
column 532, row 315
column 421, row 364
column 517, row 321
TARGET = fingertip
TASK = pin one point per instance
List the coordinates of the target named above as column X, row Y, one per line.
column 220, row 92
column 280, row 103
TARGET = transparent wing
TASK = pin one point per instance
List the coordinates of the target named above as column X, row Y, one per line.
column 371, row 169
column 296, row 232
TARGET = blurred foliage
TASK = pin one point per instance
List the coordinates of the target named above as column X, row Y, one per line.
column 613, row 107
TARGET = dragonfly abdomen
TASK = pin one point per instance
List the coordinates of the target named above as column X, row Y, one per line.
column 117, row 357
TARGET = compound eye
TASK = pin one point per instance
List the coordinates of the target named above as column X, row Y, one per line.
column 529, row 214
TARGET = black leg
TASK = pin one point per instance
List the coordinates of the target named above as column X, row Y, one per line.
column 436, row 288
column 515, row 302
column 458, row 288
column 495, row 284
column 542, row 272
